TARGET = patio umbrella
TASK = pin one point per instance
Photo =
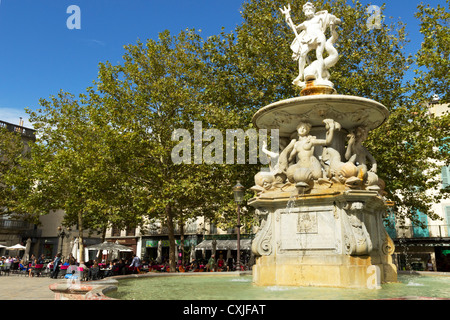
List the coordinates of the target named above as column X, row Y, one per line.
column 109, row 246
column 27, row 250
column 228, row 254
column 75, row 249
column 192, row 253
column 16, row 247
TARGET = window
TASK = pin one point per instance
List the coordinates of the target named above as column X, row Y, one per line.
column 389, row 224
column 447, row 216
column 420, row 229
column 131, row 231
column 445, row 177
column 115, row 232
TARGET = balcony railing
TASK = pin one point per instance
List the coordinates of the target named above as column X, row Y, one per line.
column 15, row 225
column 431, row 231
column 25, row 132
column 191, row 228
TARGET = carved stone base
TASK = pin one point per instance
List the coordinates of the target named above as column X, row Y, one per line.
column 335, row 240
column 322, row 271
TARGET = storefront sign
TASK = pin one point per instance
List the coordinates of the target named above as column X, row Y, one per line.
column 166, row 243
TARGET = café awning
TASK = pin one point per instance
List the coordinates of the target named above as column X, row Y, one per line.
column 246, row 244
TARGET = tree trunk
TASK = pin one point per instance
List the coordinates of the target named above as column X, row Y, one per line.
column 171, row 229
column 80, row 237
column 181, row 224
column 100, row 252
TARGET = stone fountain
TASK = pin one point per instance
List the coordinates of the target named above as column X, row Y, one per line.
column 321, row 204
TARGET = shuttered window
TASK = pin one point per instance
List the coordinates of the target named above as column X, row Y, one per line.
column 445, row 177
column 447, row 216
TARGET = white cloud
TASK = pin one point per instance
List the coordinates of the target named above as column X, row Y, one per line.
column 12, row 115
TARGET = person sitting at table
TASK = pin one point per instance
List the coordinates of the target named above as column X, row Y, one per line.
column 22, row 266
column 94, row 271
column 220, row 263
column 107, row 271
column 121, row 267
column 71, row 259
column 194, row 266
column 41, row 259
column 31, row 267
column 84, row 271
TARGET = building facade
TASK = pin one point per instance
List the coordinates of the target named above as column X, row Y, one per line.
column 427, row 241
column 13, row 231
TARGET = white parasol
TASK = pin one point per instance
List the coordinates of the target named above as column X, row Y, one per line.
column 109, row 246
column 16, row 247
column 27, row 250
column 75, row 249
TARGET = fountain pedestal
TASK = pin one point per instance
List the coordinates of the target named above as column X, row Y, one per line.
column 334, row 238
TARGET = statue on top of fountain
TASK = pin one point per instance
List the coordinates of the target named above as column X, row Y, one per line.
column 312, row 37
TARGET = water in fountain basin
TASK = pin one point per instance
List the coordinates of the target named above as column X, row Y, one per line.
column 220, row 287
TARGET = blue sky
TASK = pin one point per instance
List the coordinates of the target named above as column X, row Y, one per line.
column 39, row 55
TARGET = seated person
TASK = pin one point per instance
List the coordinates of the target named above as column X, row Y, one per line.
column 220, row 263
column 94, row 272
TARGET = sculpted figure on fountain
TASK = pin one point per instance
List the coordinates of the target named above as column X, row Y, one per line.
column 310, row 35
column 338, row 171
column 307, row 167
column 359, row 155
column 297, row 165
column 276, row 177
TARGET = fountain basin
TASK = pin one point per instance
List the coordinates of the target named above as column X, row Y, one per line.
column 349, row 111
column 230, row 286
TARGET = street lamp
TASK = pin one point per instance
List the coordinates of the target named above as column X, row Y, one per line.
column 238, row 191
column 63, row 234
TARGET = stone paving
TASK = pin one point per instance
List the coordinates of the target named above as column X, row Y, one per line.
column 14, row 287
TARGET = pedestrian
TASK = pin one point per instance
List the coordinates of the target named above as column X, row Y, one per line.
column 430, row 265
column 211, row 263
column 56, row 264
column 230, row 264
column 135, row 264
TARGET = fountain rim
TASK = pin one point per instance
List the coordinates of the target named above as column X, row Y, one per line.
column 324, row 98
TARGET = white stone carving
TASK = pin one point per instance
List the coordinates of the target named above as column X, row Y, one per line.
column 310, row 35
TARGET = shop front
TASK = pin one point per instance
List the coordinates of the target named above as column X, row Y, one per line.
column 422, row 255
column 132, row 243
column 157, row 248
column 225, row 248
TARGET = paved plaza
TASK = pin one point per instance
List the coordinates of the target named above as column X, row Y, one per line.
column 15, row 287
